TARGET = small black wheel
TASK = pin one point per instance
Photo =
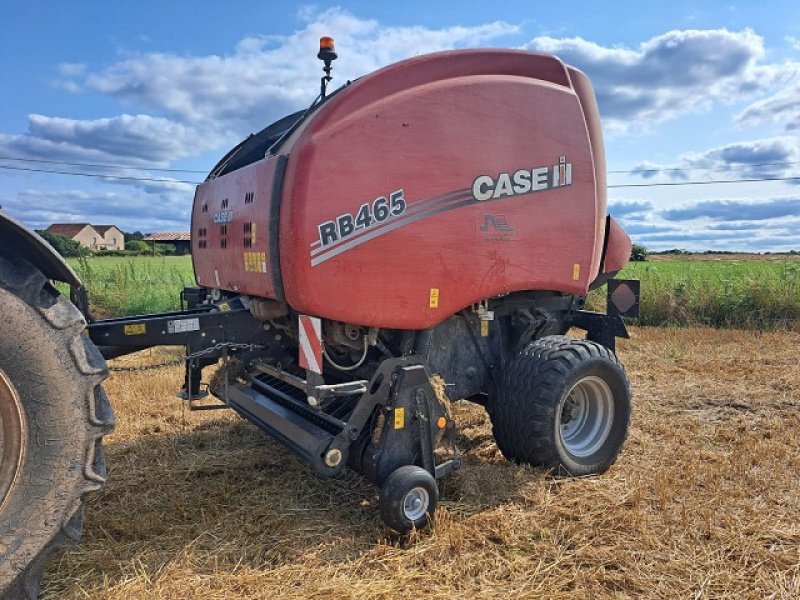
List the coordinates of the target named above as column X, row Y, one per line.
column 563, row 404
column 408, row 499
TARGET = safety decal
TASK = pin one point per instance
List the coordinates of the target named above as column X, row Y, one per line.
column 183, row 325
column 135, row 329
column 255, row 262
column 434, row 298
column 310, row 329
column 576, row 272
column 399, row 417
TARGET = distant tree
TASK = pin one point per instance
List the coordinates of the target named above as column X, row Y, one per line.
column 165, row 248
column 63, row 245
column 135, row 235
column 638, row 253
column 137, row 246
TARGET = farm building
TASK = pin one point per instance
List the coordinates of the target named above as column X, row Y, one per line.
column 182, row 240
column 96, row 237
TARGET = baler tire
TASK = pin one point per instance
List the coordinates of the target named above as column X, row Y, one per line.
column 408, row 499
column 57, row 412
column 550, row 383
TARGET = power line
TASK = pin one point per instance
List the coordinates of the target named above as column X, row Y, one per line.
column 53, row 172
column 619, row 185
column 636, row 171
column 641, row 171
column 706, row 182
column 102, row 165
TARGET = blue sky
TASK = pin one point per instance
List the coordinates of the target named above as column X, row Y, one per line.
column 696, row 90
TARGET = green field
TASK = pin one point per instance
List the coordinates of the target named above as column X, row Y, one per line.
column 719, row 293
column 134, row 285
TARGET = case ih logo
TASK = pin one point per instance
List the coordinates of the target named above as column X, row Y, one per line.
column 524, row 181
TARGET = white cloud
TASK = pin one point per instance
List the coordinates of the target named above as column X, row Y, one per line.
column 265, row 78
column 783, row 107
column 770, row 157
column 670, row 74
column 130, row 211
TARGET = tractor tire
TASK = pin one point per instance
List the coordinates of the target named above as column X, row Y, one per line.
column 53, row 416
column 408, row 499
column 563, row 404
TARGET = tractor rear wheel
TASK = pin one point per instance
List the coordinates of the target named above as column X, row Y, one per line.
column 564, row 404
column 53, row 416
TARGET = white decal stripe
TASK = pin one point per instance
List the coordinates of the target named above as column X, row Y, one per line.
column 312, row 326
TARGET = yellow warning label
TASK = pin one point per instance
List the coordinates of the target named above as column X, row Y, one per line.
column 255, row 262
column 434, row 298
column 399, row 417
column 576, row 271
column 484, row 328
column 253, row 232
column 135, row 329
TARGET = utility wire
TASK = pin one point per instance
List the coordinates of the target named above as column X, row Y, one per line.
column 619, row 185
column 641, row 171
column 102, row 165
column 706, row 182
column 7, row 167
column 637, row 171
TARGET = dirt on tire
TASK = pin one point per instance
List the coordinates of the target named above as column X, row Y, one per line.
column 56, row 373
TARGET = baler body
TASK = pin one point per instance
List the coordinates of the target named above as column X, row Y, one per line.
column 416, row 191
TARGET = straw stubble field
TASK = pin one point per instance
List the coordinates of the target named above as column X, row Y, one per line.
column 704, row 501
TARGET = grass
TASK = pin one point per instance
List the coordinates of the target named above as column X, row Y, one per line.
column 757, row 294
column 724, row 293
column 134, row 285
column 703, row 502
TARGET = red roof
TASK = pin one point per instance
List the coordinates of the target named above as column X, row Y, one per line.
column 169, row 236
column 103, row 228
column 69, row 230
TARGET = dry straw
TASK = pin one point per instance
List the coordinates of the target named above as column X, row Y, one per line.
column 703, row 503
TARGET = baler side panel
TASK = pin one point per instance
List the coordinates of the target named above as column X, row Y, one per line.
column 234, row 225
column 431, row 141
column 585, row 91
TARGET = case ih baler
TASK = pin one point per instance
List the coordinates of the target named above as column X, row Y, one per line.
column 444, row 216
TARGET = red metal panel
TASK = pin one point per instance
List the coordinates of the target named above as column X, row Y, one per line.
column 402, row 168
column 230, row 231
column 618, row 251
column 428, row 140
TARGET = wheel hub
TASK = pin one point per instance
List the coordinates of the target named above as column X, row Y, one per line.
column 586, row 417
column 11, row 435
column 415, row 503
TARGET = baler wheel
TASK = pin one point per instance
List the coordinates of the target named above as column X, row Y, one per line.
column 564, row 404
column 53, row 417
column 408, row 499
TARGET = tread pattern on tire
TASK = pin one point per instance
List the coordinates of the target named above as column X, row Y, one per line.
column 24, row 281
column 524, row 407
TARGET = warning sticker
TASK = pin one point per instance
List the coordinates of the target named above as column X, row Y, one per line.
column 399, row 417
column 135, row 329
column 484, row 328
column 576, row 271
column 434, row 299
column 183, row 325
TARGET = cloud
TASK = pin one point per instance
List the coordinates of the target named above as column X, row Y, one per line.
column 134, row 140
column 628, row 208
column 129, row 211
column 670, row 74
column 265, row 78
column 783, row 107
column 753, row 159
column 730, row 210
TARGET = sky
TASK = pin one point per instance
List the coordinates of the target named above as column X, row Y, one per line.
column 157, row 92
